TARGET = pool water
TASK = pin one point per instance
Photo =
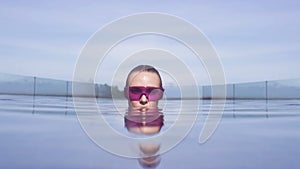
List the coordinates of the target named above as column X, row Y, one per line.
column 44, row 132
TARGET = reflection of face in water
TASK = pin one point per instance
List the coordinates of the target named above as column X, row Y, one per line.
column 147, row 122
column 143, row 87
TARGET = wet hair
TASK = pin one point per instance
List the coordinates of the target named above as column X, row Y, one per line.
column 144, row 68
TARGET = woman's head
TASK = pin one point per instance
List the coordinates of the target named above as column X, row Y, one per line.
column 139, row 70
column 143, row 87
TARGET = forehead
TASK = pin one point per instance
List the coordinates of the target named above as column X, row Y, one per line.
column 144, row 79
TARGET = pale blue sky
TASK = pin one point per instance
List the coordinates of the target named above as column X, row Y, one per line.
column 255, row 40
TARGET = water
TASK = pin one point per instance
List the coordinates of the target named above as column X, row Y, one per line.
column 44, row 132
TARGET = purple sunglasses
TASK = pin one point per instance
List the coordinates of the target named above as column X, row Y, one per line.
column 134, row 93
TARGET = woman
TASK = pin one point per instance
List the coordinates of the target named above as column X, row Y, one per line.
column 143, row 87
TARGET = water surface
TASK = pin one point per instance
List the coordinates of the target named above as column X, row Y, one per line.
column 44, row 132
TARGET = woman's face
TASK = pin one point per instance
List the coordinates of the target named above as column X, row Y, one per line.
column 146, row 79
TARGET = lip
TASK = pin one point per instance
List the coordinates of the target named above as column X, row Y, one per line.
column 145, row 107
column 140, row 106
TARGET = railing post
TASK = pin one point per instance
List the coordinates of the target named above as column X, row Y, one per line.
column 96, row 90
column 67, row 89
column 33, row 96
column 67, row 95
column 266, row 86
column 202, row 92
column 233, row 91
column 34, row 85
column 233, row 99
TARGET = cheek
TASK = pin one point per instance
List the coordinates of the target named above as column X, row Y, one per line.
column 153, row 103
column 135, row 103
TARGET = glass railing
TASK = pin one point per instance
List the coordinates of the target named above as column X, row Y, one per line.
column 25, row 85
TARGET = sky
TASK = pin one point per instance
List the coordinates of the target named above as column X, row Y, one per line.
column 255, row 40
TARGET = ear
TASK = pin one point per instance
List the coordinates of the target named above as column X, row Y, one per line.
column 126, row 92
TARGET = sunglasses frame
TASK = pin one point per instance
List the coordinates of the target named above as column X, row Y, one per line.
column 143, row 92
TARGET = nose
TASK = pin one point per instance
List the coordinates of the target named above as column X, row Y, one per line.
column 143, row 100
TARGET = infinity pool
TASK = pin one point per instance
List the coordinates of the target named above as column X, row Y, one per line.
column 44, row 132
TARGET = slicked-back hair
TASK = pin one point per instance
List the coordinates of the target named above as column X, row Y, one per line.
column 144, row 68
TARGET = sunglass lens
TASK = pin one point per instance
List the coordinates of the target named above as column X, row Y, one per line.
column 155, row 94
